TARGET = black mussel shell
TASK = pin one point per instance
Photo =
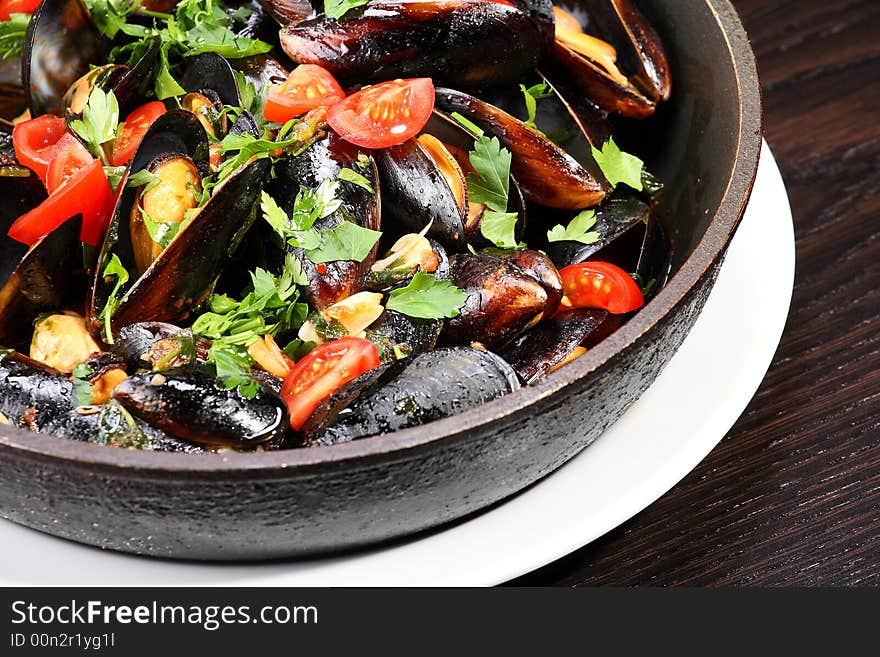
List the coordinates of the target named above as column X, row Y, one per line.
column 398, row 335
column 548, row 344
column 132, row 341
column 40, row 282
column 190, row 404
column 615, row 218
column 260, row 70
column 289, row 12
column 332, row 281
column 466, row 43
column 60, row 45
column 540, row 267
column 503, row 301
column 31, row 393
column 212, row 71
column 546, row 173
column 110, row 424
column 408, row 393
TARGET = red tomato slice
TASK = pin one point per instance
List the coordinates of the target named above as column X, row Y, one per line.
column 601, row 285
column 87, row 192
column 9, row 7
column 308, row 86
column 34, row 141
column 136, row 125
column 326, row 369
column 68, row 158
column 385, row 114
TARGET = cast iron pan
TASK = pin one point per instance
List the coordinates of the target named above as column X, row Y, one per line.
column 301, row 502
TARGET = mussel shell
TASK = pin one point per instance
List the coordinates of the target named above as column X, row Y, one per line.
column 408, row 393
column 323, row 161
column 466, row 43
column 182, row 276
column 40, row 282
column 540, row 267
column 190, row 404
column 25, row 383
column 289, row 12
column 103, row 77
column 640, row 50
column 503, row 301
column 413, row 335
column 260, row 70
column 134, row 340
column 212, row 71
column 614, row 218
column 60, row 45
column 546, row 173
column 107, row 425
column 533, row 354
column 245, row 124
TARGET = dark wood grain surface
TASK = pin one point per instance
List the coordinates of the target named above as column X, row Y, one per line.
column 792, row 494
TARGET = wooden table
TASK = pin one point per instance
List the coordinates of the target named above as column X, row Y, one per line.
column 792, row 494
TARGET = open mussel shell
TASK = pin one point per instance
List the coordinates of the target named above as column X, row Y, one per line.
column 212, row 71
column 40, row 282
column 397, row 334
column 29, row 387
column 643, row 78
column 260, row 70
column 545, row 172
column 132, row 342
column 418, row 186
column 333, row 281
column 189, row 403
column 466, row 43
column 408, row 393
column 549, row 343
column 60, row 46
column 503, row 301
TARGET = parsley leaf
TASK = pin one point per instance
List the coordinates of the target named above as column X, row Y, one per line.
column 99, row 121
column 347, row 241
column 531, row 96
column 500, row 228
column 353, row 177
column 338, row 8
column 309, row 206
column 577, row 230
column 165, row 85
column 144, row 177
column 490, row 185
column 238, row 149
column 233, row 367
column 12, row 33
column 110, row 16
column 426, row 297
column 82, row 388
column 113, row 268
column 161, row 232
column 619, row 167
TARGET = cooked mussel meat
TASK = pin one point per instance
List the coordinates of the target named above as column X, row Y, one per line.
column 466, row 43
column 408, row 393
column 189, row 403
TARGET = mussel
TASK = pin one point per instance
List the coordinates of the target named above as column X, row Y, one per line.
column 425, row 185
column 408, row 393
column 210, row 85
column 289, row 12
column 547, row 174
column 157, row 345
column 625, row 71
column 182, row 275
column 551, row 342
column 188, row 403
column 30, row 392
column 397, row 336
column 39, row 282
column 466, row 43
column 503, row 300
column 332, row 281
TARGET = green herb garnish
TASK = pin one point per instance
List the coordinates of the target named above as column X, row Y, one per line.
column 353, row 177
column 490, row 184
column 338, row 8
column 113, row 268
column 12, row 33
column 531, row 96
column 578, row 230
column 426, row 297
column 99, row 121
column 619, row 167
column 347, row 241
column 500, row 229
column 82, row 387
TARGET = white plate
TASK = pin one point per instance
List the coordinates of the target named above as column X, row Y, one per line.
column 652, row 447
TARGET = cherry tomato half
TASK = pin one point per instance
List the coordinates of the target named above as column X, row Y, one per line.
column 69, row 156
column 34, row 141
column 136, row 125
column 326, row 369
column 9, row 7
column 87, row 193
column 308, row 86
column 385, row 114
column 601, row 285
